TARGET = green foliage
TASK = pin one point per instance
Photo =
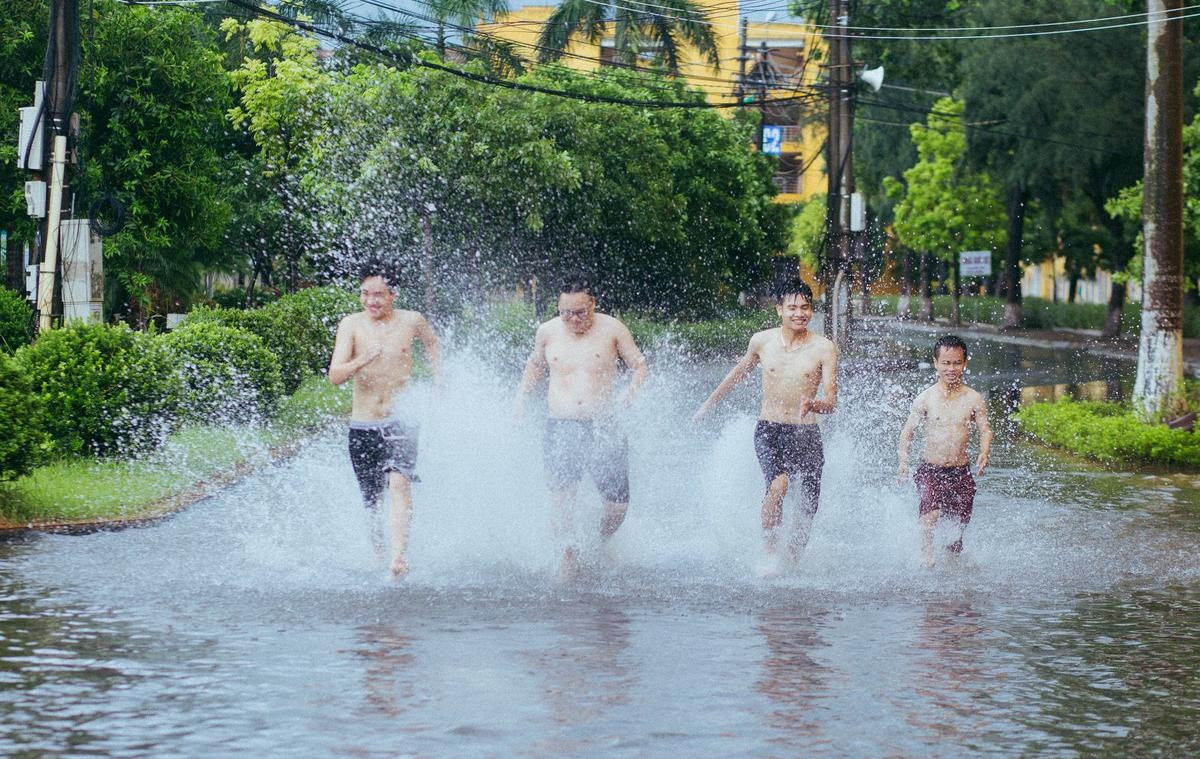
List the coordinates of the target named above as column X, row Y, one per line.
column 273, row 329
column 228, row 373
column 298, row 328
column 636, row 29
column 24, row 442
column 943, row 207
column 23, row 31
column 1109, row 432
column 154, row 136
column 236, row 297
column 808, row 231
column 16, row 320
column 314, row 314
column 105, row 389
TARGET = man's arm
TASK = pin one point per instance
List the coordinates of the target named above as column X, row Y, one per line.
column 906, row 437
column 535, row 367
column 433, row 351
column 828, row 400
column 343, row 364
column 738, row 373
column 628, row 351
column 985, row 436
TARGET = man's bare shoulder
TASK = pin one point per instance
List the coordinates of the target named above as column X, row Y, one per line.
column 609, row 323
column 763, row 337
column 351, row 321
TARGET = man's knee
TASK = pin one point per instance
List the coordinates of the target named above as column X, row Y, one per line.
column 614, row 516
column 778, row 487
column 929, row 518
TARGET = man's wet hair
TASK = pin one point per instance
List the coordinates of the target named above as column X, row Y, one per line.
column 949, row 341
column 792, row 286
column 576, row 282
column 369, row 270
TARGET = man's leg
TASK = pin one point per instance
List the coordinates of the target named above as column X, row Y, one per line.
column 928, row 521
column 772, row 514
column 808, row 488
column 563, row 524
column 400, row 521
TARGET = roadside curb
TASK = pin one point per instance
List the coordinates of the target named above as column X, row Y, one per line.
column 1123, row 350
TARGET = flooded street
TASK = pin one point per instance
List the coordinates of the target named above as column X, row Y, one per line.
column 259, row 622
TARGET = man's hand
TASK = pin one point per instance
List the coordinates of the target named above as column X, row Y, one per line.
column 902, row 473
column 373, row 353
column 701, row 412
column 807, row 406
column 981, row 463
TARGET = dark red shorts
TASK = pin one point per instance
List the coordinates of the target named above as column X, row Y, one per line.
column 949, row 488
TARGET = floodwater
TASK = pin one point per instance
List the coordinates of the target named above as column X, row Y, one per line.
column 259, row 623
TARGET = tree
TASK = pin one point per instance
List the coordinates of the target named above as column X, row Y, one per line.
column 1054, row 111
column 662, row 29
column 153, row 129
column 943, row 207
column 23, row 28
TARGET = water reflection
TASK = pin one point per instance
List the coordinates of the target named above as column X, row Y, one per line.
column 585, row 675
column 793, row 679
column 387, row 681
column 949, row 674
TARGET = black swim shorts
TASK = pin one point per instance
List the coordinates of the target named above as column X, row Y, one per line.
column 572, row 446
column 796, row 451
column 377, row 448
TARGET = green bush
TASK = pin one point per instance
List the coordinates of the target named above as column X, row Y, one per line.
column 272, row 328
column 297, row 328
column 105, row 389
column 16, row 321
column 1036, row 313
column 227, row 373
column 1108, row 432
column 24, row 442
column 315, row 313
column 236, row 297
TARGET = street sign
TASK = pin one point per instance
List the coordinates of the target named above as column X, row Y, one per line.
column 975, row 263
column 772, row 140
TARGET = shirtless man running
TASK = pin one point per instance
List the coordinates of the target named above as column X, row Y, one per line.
column 374, row 348
column 796, row 364
column 943, row 478
column 580, row 348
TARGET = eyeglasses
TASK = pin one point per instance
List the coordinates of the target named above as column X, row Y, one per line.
column 573, row 313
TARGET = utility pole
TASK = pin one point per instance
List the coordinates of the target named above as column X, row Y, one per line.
column 62, row 54
column 1159, row 381
column 841, row 178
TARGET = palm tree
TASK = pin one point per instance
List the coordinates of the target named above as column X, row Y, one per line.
column 661, row 28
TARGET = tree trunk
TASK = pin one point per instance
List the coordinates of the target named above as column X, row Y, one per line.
column 956, row 292
column 427, row 261
column 1012, row 261
column 1112, row 317
column 903, row 302
column 1157, row 390
column 926, row 312
column 1072, row 287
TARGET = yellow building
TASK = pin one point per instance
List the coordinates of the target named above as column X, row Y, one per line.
column 778, row 62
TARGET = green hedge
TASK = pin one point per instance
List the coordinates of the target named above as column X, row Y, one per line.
column 227, row 373
column 1108, row 432
column 105, row 389
column 297, row 328
column 16, row 321
column 24, row 441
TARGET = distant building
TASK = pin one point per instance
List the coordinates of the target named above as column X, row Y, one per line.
column 779, row 60
column 1049, row 280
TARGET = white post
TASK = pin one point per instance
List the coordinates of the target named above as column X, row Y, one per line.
column 45, row 299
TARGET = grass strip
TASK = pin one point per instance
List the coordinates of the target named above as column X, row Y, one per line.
column 192, row 462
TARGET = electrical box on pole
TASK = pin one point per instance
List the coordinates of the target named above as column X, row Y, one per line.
column 82, row 272
column 858, row 212
column 35, row 199
column 29, row 142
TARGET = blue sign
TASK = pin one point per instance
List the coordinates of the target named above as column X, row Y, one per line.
column 772, row 140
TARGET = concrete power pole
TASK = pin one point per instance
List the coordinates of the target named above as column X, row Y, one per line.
column 1160, row 350
column 841, row 178
column 63, row 55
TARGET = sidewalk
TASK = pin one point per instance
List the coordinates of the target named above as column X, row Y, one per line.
column 1124, row 348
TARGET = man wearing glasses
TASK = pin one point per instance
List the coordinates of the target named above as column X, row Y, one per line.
column 581, row 350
